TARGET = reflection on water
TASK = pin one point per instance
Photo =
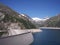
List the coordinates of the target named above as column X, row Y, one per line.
column 47, row 37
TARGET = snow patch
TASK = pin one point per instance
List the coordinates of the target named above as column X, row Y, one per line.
column 39, row 19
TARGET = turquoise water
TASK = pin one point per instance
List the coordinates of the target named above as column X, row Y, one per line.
column 47, row 37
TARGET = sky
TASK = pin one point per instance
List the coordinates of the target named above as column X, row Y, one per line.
column 34, row 8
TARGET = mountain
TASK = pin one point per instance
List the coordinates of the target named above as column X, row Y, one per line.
column 11, row 19
column 39, row 22
column 53, row 21
column 25, row 17
column 39, row 19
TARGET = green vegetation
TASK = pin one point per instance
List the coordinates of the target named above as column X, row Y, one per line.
column 13, row 17
column 53, row 21
column 27, row 24
column 1, row 33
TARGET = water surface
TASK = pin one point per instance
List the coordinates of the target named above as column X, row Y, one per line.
column 47, row 37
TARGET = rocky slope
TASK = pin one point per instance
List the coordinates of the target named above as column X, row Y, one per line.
column 9, row 16
column 53, row 21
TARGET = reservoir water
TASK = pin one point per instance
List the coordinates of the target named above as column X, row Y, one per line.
column 47, row 37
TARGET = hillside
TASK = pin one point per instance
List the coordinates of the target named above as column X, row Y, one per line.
column 53, row 21
column 9, row 16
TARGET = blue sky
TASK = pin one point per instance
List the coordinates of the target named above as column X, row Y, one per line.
column 35, row 8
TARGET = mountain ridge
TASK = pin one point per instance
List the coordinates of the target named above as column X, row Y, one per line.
column 11, row 16
column 53, row 21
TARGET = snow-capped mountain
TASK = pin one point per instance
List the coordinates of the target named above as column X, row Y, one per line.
column 39, row 19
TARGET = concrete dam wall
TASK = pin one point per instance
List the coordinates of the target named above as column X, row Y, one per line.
column 20, row 39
